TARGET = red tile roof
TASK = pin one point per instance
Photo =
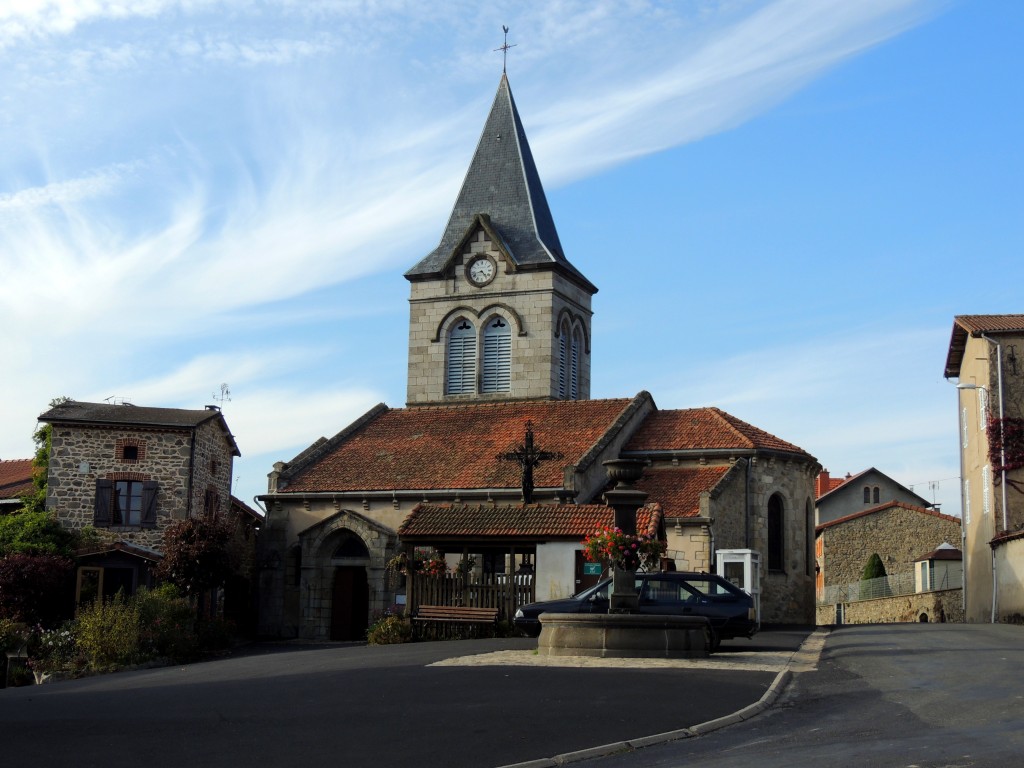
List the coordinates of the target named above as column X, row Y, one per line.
column 529, row 521
column 454, row 446
column 15, row 478
column 882, row 508
column 703, row 428
column 678, row 489
column 976, row 325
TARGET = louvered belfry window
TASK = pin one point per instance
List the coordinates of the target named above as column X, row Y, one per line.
column 563, row 340
column 461, row 359
column 574, row 367
column 497, row 357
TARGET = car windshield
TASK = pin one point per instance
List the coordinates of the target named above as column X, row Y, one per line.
column 713, row 587
column 598, row 591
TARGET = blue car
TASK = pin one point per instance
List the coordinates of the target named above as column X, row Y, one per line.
column 729, row 609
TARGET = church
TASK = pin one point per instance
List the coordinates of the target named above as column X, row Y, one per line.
column 499, row 361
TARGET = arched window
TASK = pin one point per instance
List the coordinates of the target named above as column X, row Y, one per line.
column 461, row 358
column 563, row 361
column 867, row 494
column 497, row 357
column 574, row 365
column 776, row 534
column 875, row 494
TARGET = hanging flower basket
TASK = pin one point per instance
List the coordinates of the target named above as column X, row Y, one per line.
column 622, row 550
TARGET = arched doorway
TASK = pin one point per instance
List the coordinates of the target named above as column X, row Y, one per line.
column 350, row 595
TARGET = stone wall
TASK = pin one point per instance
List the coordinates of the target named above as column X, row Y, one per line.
column 943, row 606
column 787, row 595
column 899, row 534
column 531, row 301
column 81, row 455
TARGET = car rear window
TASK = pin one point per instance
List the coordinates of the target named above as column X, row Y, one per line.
column 714, row 587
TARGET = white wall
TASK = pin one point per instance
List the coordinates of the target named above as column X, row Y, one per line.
column 556, row 570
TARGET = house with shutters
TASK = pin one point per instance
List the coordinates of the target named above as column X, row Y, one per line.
column 499, row 357
column 128, row 472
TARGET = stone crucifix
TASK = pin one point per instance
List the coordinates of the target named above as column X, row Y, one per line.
column 528, row 456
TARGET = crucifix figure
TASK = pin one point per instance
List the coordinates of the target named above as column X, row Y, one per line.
column 528, row 456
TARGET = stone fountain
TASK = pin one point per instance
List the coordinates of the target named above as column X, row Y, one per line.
column 623, row 632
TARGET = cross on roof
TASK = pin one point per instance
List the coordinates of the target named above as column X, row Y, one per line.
column 504, row 49
column 528, row 456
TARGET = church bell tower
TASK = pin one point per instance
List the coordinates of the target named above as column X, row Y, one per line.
column 497, row 312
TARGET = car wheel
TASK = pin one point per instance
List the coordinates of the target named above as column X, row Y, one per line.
column 714, row 640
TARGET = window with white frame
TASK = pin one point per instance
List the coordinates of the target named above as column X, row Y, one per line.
column 963, row 424
column 461, row 374
column 497, row 357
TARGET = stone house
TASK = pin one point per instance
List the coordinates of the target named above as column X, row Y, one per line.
column 855, row 493
column 128, row 472
column 499, row 339
column 899, row 534
column 15, row 482
column 984, row 359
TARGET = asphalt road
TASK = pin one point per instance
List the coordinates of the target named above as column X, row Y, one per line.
column 356, row 705
column 884, row 696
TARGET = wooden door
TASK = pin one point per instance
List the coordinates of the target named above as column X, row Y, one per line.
column 350, row 604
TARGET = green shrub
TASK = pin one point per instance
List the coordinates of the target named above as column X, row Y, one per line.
column 167, row 623
column 108, row 632
column 34, row 588
column 388, row 630
column 13, row 635
column 34, row 533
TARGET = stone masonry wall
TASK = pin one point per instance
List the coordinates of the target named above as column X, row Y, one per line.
column 942, row 606
column 535, row 296
column 82, row 454
column 899, row 536
column 787, row 595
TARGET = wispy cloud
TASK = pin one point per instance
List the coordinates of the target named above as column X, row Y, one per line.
column 159, row 190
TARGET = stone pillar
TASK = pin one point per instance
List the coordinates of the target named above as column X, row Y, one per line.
column 624, row 499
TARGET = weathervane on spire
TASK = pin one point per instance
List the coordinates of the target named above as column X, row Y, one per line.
column 504, row 49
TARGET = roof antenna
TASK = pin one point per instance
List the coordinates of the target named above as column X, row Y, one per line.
column 504, row 49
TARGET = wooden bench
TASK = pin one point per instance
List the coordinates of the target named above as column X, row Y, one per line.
column 449, row 617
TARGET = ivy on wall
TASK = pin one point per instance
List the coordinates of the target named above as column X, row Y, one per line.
column 1006, row 448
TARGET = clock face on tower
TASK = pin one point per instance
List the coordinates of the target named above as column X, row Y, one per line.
column 481, row 271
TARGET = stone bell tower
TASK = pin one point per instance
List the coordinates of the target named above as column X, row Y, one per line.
column 497, row 312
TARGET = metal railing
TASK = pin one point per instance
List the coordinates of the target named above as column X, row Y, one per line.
column 884, row 586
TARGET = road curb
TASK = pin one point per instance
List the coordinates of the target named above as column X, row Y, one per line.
column 804, row 659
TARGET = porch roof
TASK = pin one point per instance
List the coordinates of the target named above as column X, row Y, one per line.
column 521, row 522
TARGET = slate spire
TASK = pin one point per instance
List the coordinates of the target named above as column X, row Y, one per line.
column 502, row 183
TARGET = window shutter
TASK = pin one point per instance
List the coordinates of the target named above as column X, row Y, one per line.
column 574, row 371
column 462, row 359
column 149, row 504
column 497, row 357
column 561, row 364
column 104, row 500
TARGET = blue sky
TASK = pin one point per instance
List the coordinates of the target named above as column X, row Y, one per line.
column 783, row 204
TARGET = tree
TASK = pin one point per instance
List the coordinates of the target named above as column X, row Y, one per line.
column 34, row 533
column 33, row 588
column 36, row 500
column 197, row 556
column 874, row 569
